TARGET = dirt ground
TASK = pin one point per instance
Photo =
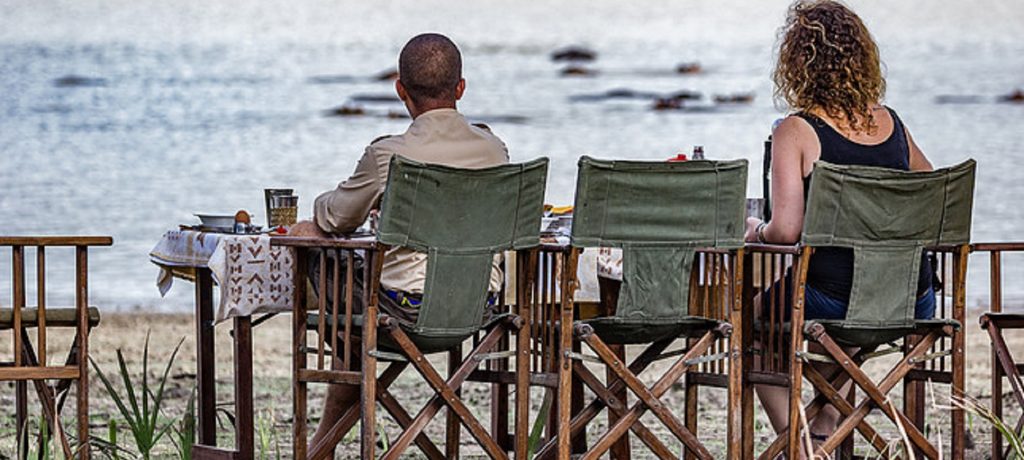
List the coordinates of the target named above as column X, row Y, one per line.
column 272, row 364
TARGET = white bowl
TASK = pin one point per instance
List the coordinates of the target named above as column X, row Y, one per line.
column 216, row 220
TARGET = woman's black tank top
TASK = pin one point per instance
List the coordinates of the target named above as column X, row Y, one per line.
column 831, row 268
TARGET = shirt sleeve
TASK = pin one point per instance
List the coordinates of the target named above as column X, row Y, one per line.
column 345, row 208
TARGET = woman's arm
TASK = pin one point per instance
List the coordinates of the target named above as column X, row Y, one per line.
column 790, row 141
column 918, row 162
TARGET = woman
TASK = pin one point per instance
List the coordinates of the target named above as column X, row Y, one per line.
column 829, row 74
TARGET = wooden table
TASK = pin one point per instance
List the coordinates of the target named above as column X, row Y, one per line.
column 206, row 365
column 190, row 255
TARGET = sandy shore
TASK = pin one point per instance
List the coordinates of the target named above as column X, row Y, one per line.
column 272, row 364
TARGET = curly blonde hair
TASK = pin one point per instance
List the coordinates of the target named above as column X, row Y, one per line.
column 828, row 61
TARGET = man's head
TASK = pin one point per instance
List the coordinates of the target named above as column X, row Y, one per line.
column 429, row 73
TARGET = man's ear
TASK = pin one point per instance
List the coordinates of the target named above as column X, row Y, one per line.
column 400, row 89
column 460, row 88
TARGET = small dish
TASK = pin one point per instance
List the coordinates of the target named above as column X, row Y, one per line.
column 217, row 221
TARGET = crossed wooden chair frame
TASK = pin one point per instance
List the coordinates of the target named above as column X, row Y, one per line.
column 918, row 349
column 609, row 394
column 338, row 344
column 375, row 388
column 30, row 365
column 996, row 323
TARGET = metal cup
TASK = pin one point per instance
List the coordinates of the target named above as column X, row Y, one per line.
column 283, row 210
column 269, row 193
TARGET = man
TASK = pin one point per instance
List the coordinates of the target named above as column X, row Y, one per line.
column 429, row 83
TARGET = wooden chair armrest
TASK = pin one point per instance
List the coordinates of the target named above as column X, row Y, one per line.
column 43, row 241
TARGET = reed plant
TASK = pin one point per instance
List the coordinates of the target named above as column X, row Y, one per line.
column 1013, row 438
column 43, row 450
column 265, row 436
column 140, row 406
column 185, row 433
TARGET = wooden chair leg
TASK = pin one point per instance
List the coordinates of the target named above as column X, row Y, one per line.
column 875, row 393
column 46, row 397
column 444, row 390
column 692, row 392
column 1003, row 364
column 845, row 408
column 579, row 442
column 648, row 396
column 796, row 377
column 620, row 450
column 525, row 264
column 451, row 420
column 353, row 414
column 393, row 407
column 617, row 406
column 913, row 394
column 299, row 387
column 846, row 448
column 500, row 399
column 812, row 408
column 997, row 405
column 565, row 335
column 592, row 410
column 21, row 416
column 958, row 388
column 368, row 387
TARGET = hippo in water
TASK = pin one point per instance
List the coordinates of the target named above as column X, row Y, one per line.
column 577, row 71
column 386, row 75
column 1017, row 96
column 345, row 111
column 574, row 53
column 687, row 68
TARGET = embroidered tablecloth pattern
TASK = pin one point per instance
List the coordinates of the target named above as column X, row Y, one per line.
column 253, row 277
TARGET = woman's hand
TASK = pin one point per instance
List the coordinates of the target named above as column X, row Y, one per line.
column 751, row 235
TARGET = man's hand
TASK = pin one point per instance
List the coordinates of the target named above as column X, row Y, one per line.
column 307, row 229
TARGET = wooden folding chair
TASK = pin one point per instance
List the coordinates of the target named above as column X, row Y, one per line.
column 460, row 218
column 889, row 219
column 662, row 215
column 1004, row 363
column 31, row 363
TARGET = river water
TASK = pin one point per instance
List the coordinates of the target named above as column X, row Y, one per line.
column 124, row 117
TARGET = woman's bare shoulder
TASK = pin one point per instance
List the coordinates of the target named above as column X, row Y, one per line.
column 794, row 130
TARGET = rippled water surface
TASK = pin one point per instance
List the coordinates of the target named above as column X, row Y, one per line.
column 125, row 117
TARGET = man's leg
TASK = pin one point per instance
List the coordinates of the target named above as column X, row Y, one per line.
column 338, row 400
column 339, row 397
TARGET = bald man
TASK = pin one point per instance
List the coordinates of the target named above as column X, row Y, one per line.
column 429, row 83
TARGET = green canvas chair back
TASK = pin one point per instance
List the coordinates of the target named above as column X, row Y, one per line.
column 658, row 213
column 887, row 217
column 460, row 218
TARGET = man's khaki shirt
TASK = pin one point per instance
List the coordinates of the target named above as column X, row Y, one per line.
column 441, row 136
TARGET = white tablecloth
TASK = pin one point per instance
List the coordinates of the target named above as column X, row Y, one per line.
column 253, row 277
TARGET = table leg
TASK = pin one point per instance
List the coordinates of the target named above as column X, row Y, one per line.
column 205, row 359
column 243, row 388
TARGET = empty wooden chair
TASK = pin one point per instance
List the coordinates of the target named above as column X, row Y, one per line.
column 890, row 219
column 1005, row 364
column 680, row 228
column 33, row 362
column 460, row 218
